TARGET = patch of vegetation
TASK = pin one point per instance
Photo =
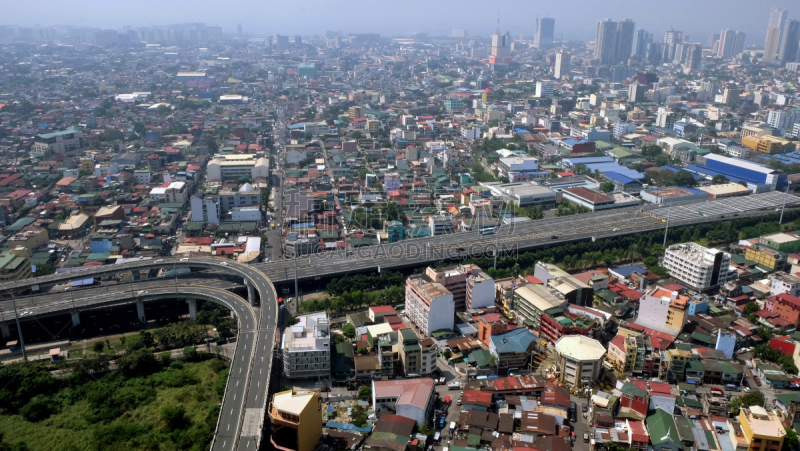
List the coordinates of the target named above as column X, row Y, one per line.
column 144, row 405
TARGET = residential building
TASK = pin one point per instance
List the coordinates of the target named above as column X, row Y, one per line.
column 768, row 144
column 513, row 348
column 382, row 339
column 775, row 26
column 579, row 359
column 763, row 255
column 562, row 66
column 562, row 284
column 698, row 267
column 544, row 88
column 663, row 431
column 763, row 431
column 557, row 322
column 789, row 48
column 429, row 305
column 246, row 196
column 673, row 366
column 635, row 354
column 470, row 286
column 441, row 224
column 306, row 347
column 418, row 357
column 663, row 310
column 787, row 306
column 543, row 39
column 781, row 282
column 15, row 265
column 529, row 302
column 294, row 418
column 410, row 398
column 500, row 55
column 205, row 210
column 731, row 43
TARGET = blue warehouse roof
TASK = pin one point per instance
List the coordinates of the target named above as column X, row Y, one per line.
column 516, row 340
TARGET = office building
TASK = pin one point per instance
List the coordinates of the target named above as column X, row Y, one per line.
column 234, row 166
column 731, row 43
column 429, row 305
column 624, row 44
column 543, row 39
column 662, row 310
column 763, row 431
column 768, row 144
column 410, row 398
column 500, row 55
column 544, row 88
column 529, row 302
column 282, row 42
column 671, row 40
column 68, row 140
column 306, row 348
column 789, row 47
column 294, row 417
column 579, row 360
column 655, row 53
column 635, row 93
column 783, row 120
column 777, row 20
column 245, row 196
column 694, row 56
column 698, row 267
column 640, row 40
column 713, row 39
column 665, row 118
column 562, row 66
column 606, row 42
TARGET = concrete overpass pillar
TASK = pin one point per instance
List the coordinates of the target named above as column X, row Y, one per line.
column 136, row 275
column 251, row 292
column 76, row 317
column 5, row 330
column 140, row 311
column 192, row 308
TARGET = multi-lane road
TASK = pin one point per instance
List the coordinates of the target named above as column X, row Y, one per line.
column 525, row 236
column 242, row 413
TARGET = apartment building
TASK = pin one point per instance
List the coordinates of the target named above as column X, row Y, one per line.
column 663, row 310
column 205, row 210
column 470, row 285
column 575, row 291
column 763, row 431
column 429, row 305
column 781, row 282
column 246, row 196
column 306, row 347
column 418, row 357
column 441, row 224
column 68, row 140
column 295, row 420
column 698, row 267
column 531, row 301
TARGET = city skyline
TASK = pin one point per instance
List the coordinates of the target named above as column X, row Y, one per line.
column 381, row 17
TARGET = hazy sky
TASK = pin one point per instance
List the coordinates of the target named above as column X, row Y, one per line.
column 575, row 19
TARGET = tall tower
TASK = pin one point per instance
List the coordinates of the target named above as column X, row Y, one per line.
column 545, row 27
column 671, row 39
column 777, row 19
column 562, row 64
column 789, row 49
column 501, row 50
column 694, row 55
column 606, row 42
column 726, row 40
column 640, row 39
column 624, row 46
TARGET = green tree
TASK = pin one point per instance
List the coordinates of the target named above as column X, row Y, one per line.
column 359, row 416
column 174, row 417
column 719, row 180
column 349, row 330
column 190, row 353
column 147, row 338
column 750, row 307
column 685, row 178
column 137, row 363
column 98, row 346
column 790, row 441
column 607, row 187
column 356, row 135
column 365, row 393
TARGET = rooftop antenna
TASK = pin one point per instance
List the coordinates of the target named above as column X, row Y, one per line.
column 498, row 22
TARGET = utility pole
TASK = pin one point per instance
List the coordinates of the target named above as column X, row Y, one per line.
column 669, row 210
column 19, row 328
column 786, row 194
column 296, row 292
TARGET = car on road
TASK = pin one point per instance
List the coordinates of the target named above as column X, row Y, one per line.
column 224, row 263
column 758, row 381
column 554, row 237
column 184, row 259
column 141, row 292
column 573, row 412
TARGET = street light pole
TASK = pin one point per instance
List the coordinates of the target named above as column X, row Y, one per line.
column 666, row 229
column 786, row 194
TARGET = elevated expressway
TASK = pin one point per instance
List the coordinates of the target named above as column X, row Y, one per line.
column 242, row 413
column 527, row 235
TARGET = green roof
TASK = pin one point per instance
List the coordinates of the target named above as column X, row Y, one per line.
column 695, row 365
column 662, row 428
column 685, row 426
column 630, row 389
column 702, row 337
column 473, row 440
column 20, row 223
column 480, row 357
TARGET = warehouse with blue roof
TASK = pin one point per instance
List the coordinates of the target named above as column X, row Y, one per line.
column 603, row 165
column 623, row 182
column 759, row 178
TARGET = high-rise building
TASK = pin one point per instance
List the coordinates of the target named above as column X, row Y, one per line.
column 606, row 42
column 712, row 38
column 655, row 51
column 458, row 33
column 624, row 46
column 640, row 39
column 671, row 39
column 679, row 54
column 731, row 43
column 698, row 267
column 501, row 50
column 789, row 48
column 694, row 56
column 562, row 64
column 777, row 19
column 544, row 32
column 282, row 42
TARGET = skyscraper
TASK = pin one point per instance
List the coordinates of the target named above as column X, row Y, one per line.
column 562, row 64
column 712, row 38
column 680, row 53
column 655, row 51
column 624, row 46
column 640, row 39
column 544, row 32
column 731, row 43
column 694, row 55
column 501, row 50
column 789, row 48
column 777, row 18
column 606, row 42
column 671, row 39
